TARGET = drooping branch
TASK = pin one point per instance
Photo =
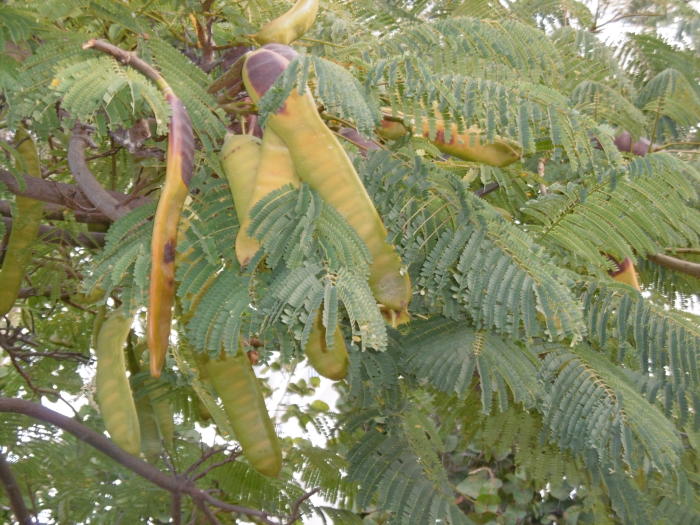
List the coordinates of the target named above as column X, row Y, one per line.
column 68, row 195
column 9, row 482
column 673, row 263
column 174, row 484
column 64, row 237
column 87, row 182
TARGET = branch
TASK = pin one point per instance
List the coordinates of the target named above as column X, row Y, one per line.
column 684, row 250
column 64, row 237
column 56, row 212
column 68, row 195
column 12, row 489
column 173, row 484
column 676, row 264
column 128, row 58
column 297, row 505
column 491, row 186
column 87, row 182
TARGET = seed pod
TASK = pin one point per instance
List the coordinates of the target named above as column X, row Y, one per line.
column 470, row 145
column 626, row 273
column 240, row 156
column 165, row 224
column 321, row 162
column 330, row 363
column 113, row 391
column 391, row 129
column 162, row 411
column 150, row 437
column 234, row 380
column 291, row 25
column 274, row 171
column 25, row 229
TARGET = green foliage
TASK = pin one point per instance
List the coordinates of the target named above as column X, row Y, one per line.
column 528, row 386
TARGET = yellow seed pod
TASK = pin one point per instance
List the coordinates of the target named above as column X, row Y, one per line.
column 290, row 26
column 275, row 170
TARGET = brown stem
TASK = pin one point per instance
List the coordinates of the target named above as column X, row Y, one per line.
column 12, row 489
column 55, row 212
column 68, row 195
column 490, row 187
column 172, row 484
column 176, row 508
column 297, row 505
column 127, row 58
column 684, row 250
column 64, row 237
column 87, row 182
column 673, row 263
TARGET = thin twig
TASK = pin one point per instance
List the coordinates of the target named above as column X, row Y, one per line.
column 205, row 456
column 683, row 250
column 295, row 515
column 622, row 17
column 58, row 236
column 490, row 187
column 230, row 458
column 9, row 482
column 208, row 513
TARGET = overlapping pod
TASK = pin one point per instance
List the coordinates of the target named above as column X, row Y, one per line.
column 240, row 156
column 148, row 426
column 329, row 362
column 626, row 274
column 25, row 229
column 113, row 391
column 291, row 25
column 321, row 162
column 275, row 170
column 234, row 381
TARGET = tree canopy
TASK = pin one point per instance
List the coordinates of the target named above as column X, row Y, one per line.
column 481, row 219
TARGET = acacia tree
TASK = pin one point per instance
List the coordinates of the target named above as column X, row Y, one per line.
column 540, row 379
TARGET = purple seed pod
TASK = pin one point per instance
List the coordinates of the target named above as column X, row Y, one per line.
column 641, row 147
column 624, row 141
column 286, row 51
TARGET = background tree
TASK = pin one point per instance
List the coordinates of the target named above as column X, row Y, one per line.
column 529, row 386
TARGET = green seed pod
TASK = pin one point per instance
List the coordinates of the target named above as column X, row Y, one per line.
column 113, row 391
